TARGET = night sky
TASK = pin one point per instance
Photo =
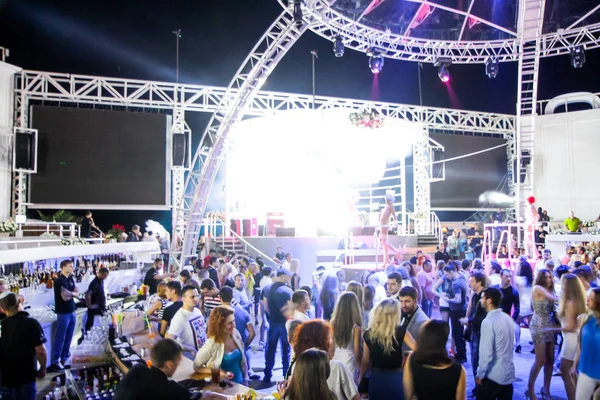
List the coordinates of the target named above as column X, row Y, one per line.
column 133, row 39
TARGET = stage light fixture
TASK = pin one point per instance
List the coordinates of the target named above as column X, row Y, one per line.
column 338, row 46
column 492, row 67
column 297, row 11
column 442, row 63
column 375, row 61
column 577, row 56
column 443, row 73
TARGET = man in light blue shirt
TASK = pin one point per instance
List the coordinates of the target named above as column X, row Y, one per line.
column 496, row 370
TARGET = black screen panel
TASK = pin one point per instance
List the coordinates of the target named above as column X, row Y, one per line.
column 100, row 157
column 467, row 178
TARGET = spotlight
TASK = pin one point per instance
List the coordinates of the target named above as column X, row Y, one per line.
column 338, row 46
column 443, row 73
column 375, row 61
column 577, row 56
column 492, row 66
column 297, row 11
column 443, row 63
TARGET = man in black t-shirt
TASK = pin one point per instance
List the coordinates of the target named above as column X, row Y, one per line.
column 95, row 298
column 135, row 235
column 64, row 306
column 275, row 296
column 173, row 293
column 414, row 259
column 442, row 254
column 214, row 263
column 510, row 295
column 142, row 382
column 21, row 346
column 456, row 299
column 153, row 277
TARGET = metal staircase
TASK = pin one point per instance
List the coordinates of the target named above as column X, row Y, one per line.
column 531, row 20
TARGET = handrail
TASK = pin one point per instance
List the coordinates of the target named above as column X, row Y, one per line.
column 435, row 225
column 245, row 242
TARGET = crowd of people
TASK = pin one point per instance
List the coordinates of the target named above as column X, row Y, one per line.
column 394, row 331
column 387, row 335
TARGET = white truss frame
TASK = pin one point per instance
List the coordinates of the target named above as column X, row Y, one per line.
column 329, row 23
column 58, row 88
column 259, row 64
column 422, row 177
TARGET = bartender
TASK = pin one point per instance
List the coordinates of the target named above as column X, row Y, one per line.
column 144, row 383
column 95, row 298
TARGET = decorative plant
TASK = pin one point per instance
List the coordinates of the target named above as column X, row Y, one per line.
column 216, row 215
column 60, row 216
column 115, row 232
column 418, row 215
column 366, row 119
column 8, row 226
column 48, row 235
column 73, row 241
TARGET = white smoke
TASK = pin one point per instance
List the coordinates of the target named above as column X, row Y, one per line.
column 496, row 198
column 157, row 229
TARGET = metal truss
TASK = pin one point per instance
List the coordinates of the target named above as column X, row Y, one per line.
column 421, row 169
column 259, row 64
column 74, row 89
column 178, row 127
column 329, row 23
column 531, row 21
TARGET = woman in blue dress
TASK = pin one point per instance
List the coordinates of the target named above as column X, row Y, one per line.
column 224, row 348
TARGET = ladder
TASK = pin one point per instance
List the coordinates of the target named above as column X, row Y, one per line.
column 531, row 20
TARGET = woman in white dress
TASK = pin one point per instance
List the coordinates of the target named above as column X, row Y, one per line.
column 570, row 306
column 524, row 283
column 347, row 332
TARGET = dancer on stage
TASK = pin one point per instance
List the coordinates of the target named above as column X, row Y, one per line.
column 384, row 228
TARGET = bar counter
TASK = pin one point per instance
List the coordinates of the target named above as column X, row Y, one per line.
column 133, row 327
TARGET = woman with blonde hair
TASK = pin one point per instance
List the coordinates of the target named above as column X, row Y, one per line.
column 224, row 348
column 357, row 289
column 347, row 331
column 543, row 298
column 383, row 351
column 310, row 378
column 570, row 306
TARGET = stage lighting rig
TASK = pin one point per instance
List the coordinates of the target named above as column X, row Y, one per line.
column 297, row 11
column 375, row 60
column 338, row 46
column 442, row 63
column 577, row 56
column 492, row 67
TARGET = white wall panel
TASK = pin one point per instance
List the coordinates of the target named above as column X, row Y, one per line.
column 567, row 162
column 7, row 72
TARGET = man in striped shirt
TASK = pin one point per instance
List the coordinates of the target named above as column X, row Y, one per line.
column 210, row 296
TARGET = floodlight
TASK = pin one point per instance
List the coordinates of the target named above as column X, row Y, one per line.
column 297, row 11
column 443, row 73
column 492, row 67
column 375, row 61
column 338, row 46
column 577, row 56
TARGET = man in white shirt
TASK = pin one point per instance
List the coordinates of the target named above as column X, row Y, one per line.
column 495, row 278
column 287, row 261
column 496, row 369
column 301, row 305
column 239, row 294
column 188, row 326
column 546, row 255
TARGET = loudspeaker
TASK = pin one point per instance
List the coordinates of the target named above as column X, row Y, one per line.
column 180, row 150
column 25, row 150
column 285, row 232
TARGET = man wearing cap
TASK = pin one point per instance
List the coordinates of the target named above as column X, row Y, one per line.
column 21, row 347
column 274, row 297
